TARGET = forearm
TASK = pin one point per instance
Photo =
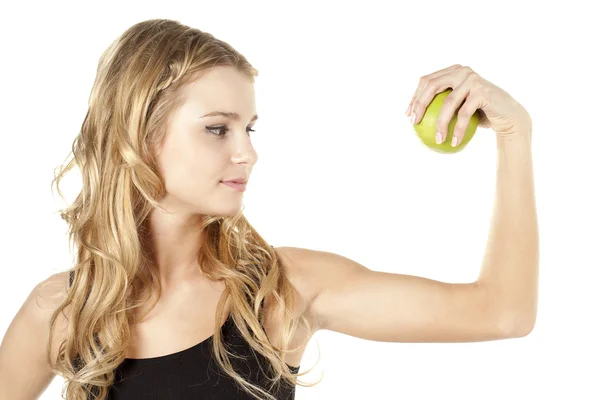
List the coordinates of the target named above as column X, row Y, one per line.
column 509, row 272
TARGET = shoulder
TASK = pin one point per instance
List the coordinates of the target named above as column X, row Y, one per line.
column 45, row 297
column 296, row 263
column 24, row 346
column 320, row 276
column 50, row 293
column 311, row 272
column 43, row 301
column 315, row 270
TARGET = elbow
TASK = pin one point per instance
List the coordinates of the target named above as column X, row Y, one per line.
column 525, row 328
column 519, row 325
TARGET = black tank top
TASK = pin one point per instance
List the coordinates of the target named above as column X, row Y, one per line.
column 193, row 374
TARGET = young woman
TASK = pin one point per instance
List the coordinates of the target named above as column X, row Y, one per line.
column 175, row 295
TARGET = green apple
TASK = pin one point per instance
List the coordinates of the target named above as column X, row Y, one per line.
column 427, row 127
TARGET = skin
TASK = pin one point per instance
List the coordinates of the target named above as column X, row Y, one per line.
column 193, row 161
column 337, row 293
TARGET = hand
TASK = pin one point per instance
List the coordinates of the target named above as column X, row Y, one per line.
column 496, row 108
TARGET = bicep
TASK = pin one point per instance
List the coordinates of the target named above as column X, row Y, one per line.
column 391, row 307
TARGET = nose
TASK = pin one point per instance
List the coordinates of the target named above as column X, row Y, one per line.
column 244, row 151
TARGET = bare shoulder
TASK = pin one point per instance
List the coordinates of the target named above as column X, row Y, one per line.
column 44, row 299
column 314, row 270
column 24, row 368
column 296, row 264
column 302, row 268
column 53, row 289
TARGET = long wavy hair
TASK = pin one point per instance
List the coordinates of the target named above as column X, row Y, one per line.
column 136, row 88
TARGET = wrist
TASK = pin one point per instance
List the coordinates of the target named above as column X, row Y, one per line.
column 521, row 129
column 518, row 137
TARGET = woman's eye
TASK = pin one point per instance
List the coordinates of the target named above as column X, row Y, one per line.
column 221, row 130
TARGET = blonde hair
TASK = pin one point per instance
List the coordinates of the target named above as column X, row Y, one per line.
column 134, row 93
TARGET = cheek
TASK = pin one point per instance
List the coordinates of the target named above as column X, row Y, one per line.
column 189, row 169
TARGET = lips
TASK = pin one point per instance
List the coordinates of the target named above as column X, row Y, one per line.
column 236, row 186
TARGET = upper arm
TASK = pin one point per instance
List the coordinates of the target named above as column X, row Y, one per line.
column 390, row 307
column 24, row 370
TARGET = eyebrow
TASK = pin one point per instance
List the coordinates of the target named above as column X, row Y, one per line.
column 231, row 115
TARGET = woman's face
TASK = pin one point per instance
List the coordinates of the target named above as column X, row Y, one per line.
column 194, row 160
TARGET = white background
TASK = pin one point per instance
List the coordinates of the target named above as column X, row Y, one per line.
column 341, row 169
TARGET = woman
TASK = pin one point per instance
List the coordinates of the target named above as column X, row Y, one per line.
column 175, row 295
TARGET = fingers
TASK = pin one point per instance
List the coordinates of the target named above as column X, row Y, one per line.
column 462, row 81
column 470, row 106
column 452, row 78
column 451, row 103
column 423, row 82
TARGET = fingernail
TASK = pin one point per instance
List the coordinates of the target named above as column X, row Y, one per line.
column 407, row 110
column 454, row 141
column 413, row 119
column 438, row 138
